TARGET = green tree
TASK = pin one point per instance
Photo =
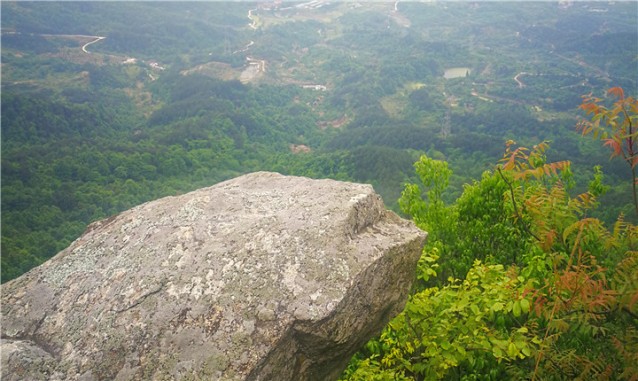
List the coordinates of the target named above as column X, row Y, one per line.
column 617, row 126
column 554, row 295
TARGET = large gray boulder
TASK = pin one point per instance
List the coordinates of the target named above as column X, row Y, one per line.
column 263, row 277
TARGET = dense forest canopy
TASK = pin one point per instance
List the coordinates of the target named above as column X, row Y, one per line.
column 109, row 104
column 448, row 108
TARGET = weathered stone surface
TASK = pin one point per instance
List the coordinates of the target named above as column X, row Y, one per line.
column 263, row 277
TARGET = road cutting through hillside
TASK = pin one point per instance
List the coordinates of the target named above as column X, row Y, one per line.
column 520, row 83
column 97, row 38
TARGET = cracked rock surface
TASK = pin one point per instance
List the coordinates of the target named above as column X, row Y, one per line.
column 262, row 277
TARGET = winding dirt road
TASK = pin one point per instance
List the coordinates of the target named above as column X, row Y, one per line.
column 251, row 43
column 520, row 83
column 253, row 23
column 97, row 38
column 255, row 66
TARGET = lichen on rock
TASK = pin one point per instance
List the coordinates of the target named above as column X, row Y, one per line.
column 262, row 277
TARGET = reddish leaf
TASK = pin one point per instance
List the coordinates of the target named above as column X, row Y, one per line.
column 548, row 239
column 614, row 145
column 589, row 108
column 510, row 163
column 617, row 92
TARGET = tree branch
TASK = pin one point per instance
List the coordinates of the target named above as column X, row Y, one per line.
column 630, row 151
column 518, row 215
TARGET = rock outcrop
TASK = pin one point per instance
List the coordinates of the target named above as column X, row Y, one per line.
column 263, row 277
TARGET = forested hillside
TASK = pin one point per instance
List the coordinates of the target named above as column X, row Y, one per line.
column 517, row 279
column 467, row 117
column 106, row 105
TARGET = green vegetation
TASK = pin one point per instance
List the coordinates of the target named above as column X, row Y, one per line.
column 61, row 170
column 517, row 280
column 109, row 105
column 524, row 275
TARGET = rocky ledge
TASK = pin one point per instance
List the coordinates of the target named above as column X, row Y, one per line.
column 263, row 277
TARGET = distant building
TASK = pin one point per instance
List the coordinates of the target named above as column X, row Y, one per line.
column 155, row 65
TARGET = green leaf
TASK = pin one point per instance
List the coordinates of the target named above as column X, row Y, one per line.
column 512, row 351
column 498, row 306
column 525, row 305
column 516, row 309
column 430, row 259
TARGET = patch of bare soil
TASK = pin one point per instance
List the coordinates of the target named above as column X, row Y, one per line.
column 299, row 148
column 215, row 69
column 336, row 123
